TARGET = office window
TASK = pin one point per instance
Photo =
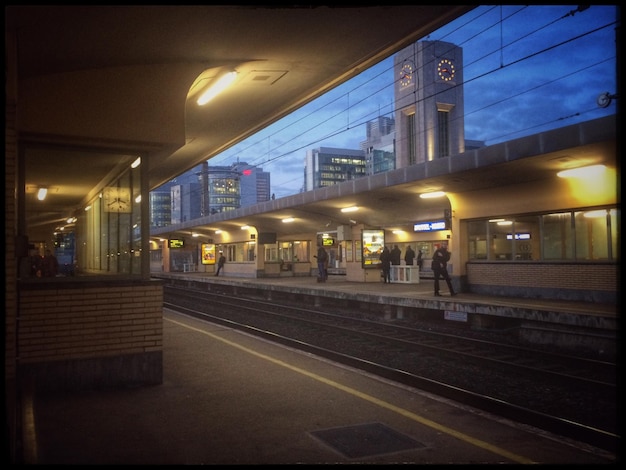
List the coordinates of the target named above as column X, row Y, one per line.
column 410, row 136
column 443, row 135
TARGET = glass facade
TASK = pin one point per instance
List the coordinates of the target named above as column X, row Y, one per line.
column 577, row 235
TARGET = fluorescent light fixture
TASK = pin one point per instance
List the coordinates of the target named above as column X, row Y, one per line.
column 434, row 194
column 350, row 209
column 136, row 163
column 87, row 208
column 195, row 235
column 245, row 227
column 398, row 232
column 138, row 199
column 41, row 194
column 505, row 222
column 217, row 232
column 496, row 220
column 288, row 220
column 582, row 172
column 219, row 86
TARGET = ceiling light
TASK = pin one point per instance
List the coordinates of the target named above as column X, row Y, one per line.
column 41, row 194
column 432, row 195
column 136, row 163
column 350, row 209
column 217, row 87
column 506, row 222
column 288, row 220
column 582, row 172
column 217, row 232
column 245, row 227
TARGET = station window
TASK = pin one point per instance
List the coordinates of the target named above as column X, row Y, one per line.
column 590, row 234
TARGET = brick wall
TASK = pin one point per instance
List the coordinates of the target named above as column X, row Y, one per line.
column 568, row 281
column 89, row 334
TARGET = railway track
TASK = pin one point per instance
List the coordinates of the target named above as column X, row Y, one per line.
column 574, row 397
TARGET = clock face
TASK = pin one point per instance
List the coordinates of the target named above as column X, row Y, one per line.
column 445, row 70
column 116, row 199
column 406, row 73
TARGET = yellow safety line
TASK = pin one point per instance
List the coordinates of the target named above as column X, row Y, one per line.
column 401, row 411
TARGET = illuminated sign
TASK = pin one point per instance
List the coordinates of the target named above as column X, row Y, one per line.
column 518, row 236
column 208, row 253
column 372, row 243
column 328, row 241
column 432, row 226
column 175, row 242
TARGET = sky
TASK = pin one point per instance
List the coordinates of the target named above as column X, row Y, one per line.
column 527, row 69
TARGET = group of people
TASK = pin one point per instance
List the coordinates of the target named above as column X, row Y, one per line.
column 439, row 264
column 392, row 257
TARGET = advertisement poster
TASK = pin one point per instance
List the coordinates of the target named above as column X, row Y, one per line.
column 208, row 253
column 373, row 244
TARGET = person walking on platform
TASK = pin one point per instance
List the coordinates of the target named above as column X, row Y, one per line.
column 395, row 255
column 439, row 265
column 322, row 264
column 385, row 260
column 409, row 256
column 220, row 263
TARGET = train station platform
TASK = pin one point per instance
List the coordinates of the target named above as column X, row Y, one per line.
column 232, row 399
column 569, row 323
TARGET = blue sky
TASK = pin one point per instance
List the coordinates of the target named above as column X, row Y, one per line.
column 527, row 69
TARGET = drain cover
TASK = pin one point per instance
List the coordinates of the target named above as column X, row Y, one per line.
column 366, row 440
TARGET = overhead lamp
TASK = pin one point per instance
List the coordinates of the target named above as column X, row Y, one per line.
column 245, row 227
column 582, row 172
column 195, row 235
column 217, row 87
column 432, row 195
column 136, row 163
column 350, row 209
column 217, row 232
column 288, row 220
column 41, row 194
column 505, row 222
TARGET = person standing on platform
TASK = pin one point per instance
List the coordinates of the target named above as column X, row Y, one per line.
column 50, row 265
column 395, row 255
column 220, row 263
column 409, row 256
column 420, row 261
column 322, row 263
column 441, row 256
column 385, row 260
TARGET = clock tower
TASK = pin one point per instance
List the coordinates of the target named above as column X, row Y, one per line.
column 428, row 102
